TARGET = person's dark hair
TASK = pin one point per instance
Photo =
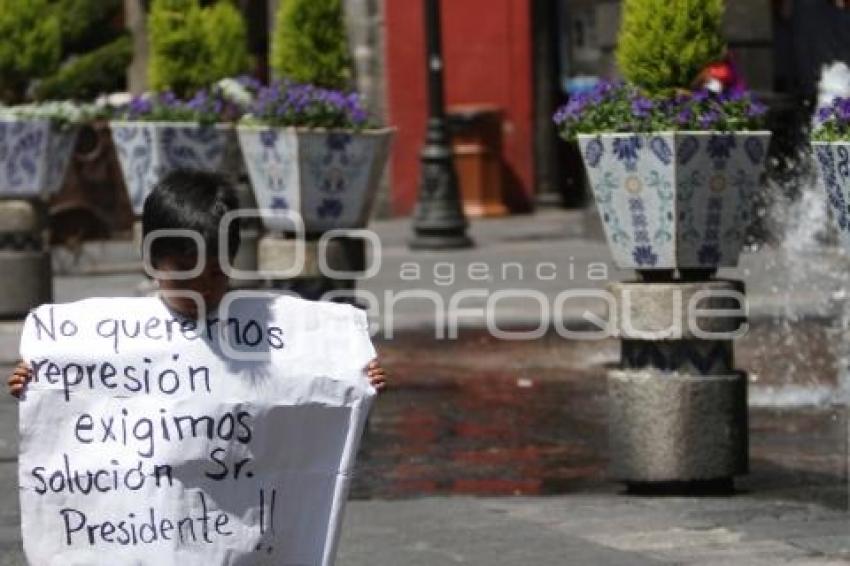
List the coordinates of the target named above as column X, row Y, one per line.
column 190, row 200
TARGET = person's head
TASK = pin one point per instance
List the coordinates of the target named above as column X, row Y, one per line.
column 196, row 201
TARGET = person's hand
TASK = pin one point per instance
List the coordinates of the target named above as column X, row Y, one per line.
column 377, row 376
column 19, row 379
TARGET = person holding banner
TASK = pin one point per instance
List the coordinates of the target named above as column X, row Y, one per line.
column 196, row 201
column 199, row 427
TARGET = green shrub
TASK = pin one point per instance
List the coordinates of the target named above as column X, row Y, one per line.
column 193, row 47
column 39, row 35
column 30, row 45
column 310, row 43
column 227, row 38
column 89, row 75
column 665, row 44
column 88, row 24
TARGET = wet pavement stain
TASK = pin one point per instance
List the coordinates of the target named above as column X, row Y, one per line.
column 485, row 434
column 479, row 416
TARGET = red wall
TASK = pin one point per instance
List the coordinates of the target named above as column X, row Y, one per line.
column 487, row 53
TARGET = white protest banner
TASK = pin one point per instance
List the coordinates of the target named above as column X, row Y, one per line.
column 144, row 440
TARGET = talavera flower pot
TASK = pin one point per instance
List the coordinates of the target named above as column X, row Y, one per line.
column 675, row 200
column 834, row 161
column 147, row 151
column 329, row 177
column 34, row 156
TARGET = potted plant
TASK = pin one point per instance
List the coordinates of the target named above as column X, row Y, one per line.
column 310, row 150
column 187, row 121
column 674, row 153
column 831, row 146
column 36, row 141
column 158, row 133
column 307, row 142
column 35, row 138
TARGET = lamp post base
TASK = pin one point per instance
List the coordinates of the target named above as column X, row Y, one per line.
column 422, row 242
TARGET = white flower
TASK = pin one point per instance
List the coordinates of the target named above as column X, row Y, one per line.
column 114, row 100
column 61, row 111
column 235, row 92
column 834, row 83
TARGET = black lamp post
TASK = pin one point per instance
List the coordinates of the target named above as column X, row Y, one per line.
column 438, row 220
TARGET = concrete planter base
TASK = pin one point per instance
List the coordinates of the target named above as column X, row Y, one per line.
column 275, row 254
column 668, row 427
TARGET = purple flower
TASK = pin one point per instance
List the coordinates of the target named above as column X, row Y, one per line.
column 756, row 109
column 249, row 82
column 709, row 119
column 736, row 94
column 169, row 99
column 560, row 115
column 286, row 103
column 198, row 101
column 359, row 116
column 701, row 95
column 204, row 107
column 824, row 113
column 682, row 98
column 641, row 107
column 842, row 109
column 604, row 109
column 140, row 106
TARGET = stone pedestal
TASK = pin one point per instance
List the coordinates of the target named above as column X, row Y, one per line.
column 677, row 406
column 24, row 258
column 277, row 254
column 672, row 427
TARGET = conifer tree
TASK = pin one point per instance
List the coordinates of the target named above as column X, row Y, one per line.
column 31, row 45
column 193, row 47
column 310, row 43
column 664, row 44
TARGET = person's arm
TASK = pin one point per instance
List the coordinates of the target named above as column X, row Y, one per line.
column 19, row 379
column 377, row 375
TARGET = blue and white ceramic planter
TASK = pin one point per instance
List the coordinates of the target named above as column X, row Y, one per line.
column 149, row 150
column 834, row 161
column 329, row 177
column 34, row 156
column 675, row 200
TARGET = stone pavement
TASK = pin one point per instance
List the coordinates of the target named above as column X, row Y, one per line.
column 776, row 518
column 593, row 529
